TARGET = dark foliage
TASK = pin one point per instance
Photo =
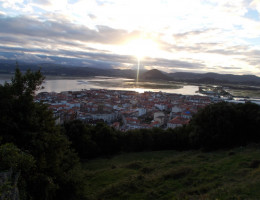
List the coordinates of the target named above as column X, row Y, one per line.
column 225, row 125
column 92, row 141
column 221, row 125
column 31, row 128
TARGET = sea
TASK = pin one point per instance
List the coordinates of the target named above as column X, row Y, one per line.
column 110, row 83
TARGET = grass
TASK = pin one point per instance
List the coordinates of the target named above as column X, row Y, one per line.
column 245, row 93
column 231, row 174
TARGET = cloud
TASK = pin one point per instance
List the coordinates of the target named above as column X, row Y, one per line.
column 101, row 59
column 30, row 58
column 30, row 36
column 172, row 64
column 191, row 35
column 252, row 58
column 92, row 16
column 70, row 57
column 3, row 57
column 192, row 48
column 26, row 26
column 100, row 56
column 255, row 4
column 237, row 50
column 43, row 2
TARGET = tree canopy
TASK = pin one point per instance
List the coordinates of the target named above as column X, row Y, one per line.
column 30, row 127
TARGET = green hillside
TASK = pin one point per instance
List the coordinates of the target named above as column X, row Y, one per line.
column 231, row 174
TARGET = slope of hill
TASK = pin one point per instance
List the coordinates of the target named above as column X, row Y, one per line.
column 233, row 174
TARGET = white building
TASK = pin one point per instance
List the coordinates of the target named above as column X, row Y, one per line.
column 159, row 117
column 160, row 106
column 176, row 109
column 107, row 117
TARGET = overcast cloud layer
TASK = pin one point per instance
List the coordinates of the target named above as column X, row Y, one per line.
column 196, row 36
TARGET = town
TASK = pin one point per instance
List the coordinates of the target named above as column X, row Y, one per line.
column 124, row 110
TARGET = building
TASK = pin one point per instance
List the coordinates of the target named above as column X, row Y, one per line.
column 177, row 122
column 159, row 117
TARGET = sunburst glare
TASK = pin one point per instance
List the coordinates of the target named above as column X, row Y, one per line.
column 141, row 47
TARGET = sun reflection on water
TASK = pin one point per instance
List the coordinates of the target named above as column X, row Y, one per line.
column 139, row 90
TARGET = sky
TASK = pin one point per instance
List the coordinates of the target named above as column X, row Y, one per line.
column 170, row 35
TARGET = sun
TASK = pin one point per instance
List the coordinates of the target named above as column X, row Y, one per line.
column 142, row 47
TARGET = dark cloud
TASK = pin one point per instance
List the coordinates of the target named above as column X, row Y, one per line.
column 14, row 50
column 194, row 48
column 3, row 57
column 106, row 60
column 100, row 56
column 228, row 68
column 65, row 56
column 53, row 30
column 212, row 48
column 40, row 59
column 233, row 50
column 32, row 58
column 224, row 52
column 25, row 35
column 173, row 63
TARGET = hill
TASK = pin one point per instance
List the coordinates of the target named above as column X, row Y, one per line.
column 214, row 78
column 207, row 78
column 154, row 74
column 233, row 174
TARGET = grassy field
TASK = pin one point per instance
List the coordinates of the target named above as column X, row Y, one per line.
column 245, row 93
column 231, row 174
column 244, row 90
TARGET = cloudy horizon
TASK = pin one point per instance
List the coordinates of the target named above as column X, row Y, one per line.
column 189, row 36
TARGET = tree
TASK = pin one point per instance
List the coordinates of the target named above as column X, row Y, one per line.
column 19, row 164
column 31, row 127
column 81, row 137
column 17, row 108
column 225, row 125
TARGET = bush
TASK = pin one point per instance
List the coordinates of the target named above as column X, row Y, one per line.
column 224, row 125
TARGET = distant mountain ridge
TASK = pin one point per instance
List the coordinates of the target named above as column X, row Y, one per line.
column 8, row 67
column 207, row 78
column 214, row 78
column 64, row 70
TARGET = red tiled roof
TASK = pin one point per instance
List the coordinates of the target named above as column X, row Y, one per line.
column 179, row 120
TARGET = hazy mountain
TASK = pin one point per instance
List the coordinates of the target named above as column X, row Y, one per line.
column 207, row 78
column 214, row 78
column 154, row 74
column 48, row 69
